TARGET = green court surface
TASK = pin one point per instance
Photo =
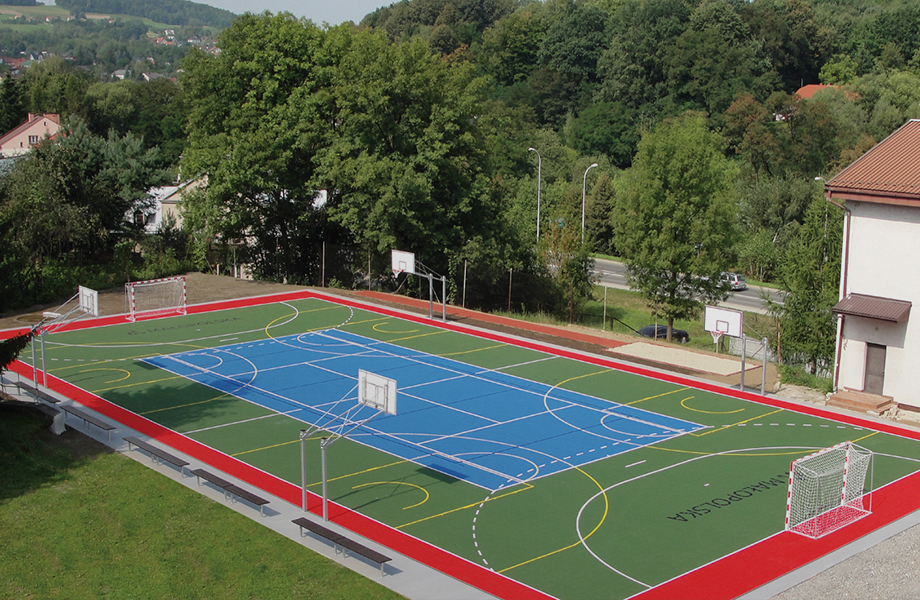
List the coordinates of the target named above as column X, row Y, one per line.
column 629, row 524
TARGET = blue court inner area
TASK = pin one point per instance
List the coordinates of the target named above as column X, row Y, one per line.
column 482, row 426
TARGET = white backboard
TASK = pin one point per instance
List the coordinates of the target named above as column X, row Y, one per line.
column 724, row 320
column 89, row 301
column 377, row 391
column 402, row 262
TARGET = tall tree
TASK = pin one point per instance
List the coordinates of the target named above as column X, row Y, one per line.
column 12, row 109
column 407, row 161
column 811, row 278
column 674, row 217
column 259, row 113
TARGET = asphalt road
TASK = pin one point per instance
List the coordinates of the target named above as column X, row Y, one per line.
column 613, row 274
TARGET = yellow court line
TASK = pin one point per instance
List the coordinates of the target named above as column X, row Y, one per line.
column 709, row 412
column 474, row 350
column 297, row 441
column 418, row 487
column 736, row 424
column 658, row 396
column 580, row 541
column 125, row 371
column 468, row 506
column 865, row 436
column 412, row 337
column 375, row 328
column 148, row 382
column 165, row 408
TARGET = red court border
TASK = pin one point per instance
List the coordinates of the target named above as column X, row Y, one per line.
column 725, row 578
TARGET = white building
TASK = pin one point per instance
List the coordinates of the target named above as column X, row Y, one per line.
column 878, row 341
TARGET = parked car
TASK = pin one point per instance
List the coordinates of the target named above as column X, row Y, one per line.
column 661, row 331
column 737, row 282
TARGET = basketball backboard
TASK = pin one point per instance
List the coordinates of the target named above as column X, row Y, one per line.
column 402, row 262
column 724, row 321
column 89, row 301
column 377, row 391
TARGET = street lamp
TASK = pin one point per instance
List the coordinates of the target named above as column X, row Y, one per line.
column 584, row 185
column 539, row 179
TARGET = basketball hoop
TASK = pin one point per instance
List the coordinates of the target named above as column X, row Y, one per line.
column 402, row 262
column 717, row 335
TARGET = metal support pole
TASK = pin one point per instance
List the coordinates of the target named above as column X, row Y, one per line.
column 44, row 364
column 34, row 364
column 430, row 296
column 743, row 357
column 322, row 449
column 444, row 298
column 303, row 467
column 510, row 276
column 763, row 376
column 463, row 301
column 322, row 273
column 604, row 323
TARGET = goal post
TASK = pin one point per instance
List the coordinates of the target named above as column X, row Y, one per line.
column 156, row 297
column 829, row 489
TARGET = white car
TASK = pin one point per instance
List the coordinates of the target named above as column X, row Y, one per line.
column 737, row 282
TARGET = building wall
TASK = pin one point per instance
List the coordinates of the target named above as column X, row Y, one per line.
column 884, row 252
column 21, row 143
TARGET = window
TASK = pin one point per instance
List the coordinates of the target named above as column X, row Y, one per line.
column 33, row 139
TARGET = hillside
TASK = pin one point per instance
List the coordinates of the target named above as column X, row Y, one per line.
column 172, row 12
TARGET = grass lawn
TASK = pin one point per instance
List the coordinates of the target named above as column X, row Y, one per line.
column 626, row 309
column 78, row 520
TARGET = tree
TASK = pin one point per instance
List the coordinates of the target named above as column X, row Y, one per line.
column 674, row 217
column 13, row 111
column 810, row 275
column 66, row 205
column 407, row 159
column 260, row 112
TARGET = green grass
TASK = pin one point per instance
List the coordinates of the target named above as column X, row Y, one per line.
column 796, row 375
column 80, row 521
column 627, row 311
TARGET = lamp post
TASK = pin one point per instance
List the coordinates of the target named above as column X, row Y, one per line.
column 584, row 185
column 539, row 181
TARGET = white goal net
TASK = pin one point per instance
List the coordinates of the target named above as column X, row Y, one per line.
column 828, row 490
column 155, row 297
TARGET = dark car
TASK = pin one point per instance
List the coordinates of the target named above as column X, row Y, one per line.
column 678, row 335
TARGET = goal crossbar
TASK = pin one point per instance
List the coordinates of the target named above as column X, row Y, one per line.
column 156, row 297
column 828, row 490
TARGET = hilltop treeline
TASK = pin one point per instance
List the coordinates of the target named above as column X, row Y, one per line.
column 172, row 12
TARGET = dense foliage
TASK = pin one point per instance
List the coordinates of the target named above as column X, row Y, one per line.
column 428, row 123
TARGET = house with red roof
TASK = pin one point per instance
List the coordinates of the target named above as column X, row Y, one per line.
column 878, row 339
column 20, row 139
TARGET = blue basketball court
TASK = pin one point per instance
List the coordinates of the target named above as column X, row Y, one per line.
column 483, row 426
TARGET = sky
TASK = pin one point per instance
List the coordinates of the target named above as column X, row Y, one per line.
column 333, row 12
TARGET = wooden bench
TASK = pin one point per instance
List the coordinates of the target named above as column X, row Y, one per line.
column 88, row 418
column 157, row 453
column 34, row 391
column 221, row 484
column 247, row 496
column 340, row 540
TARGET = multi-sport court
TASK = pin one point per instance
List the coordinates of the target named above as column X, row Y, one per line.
column 523, row 469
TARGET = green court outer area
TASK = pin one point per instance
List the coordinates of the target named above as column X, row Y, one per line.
column 727, row 577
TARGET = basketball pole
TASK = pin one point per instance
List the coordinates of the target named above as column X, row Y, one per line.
column 303, row 466
column 322, row 447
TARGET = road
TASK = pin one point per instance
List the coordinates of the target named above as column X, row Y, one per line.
column 613, row 274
